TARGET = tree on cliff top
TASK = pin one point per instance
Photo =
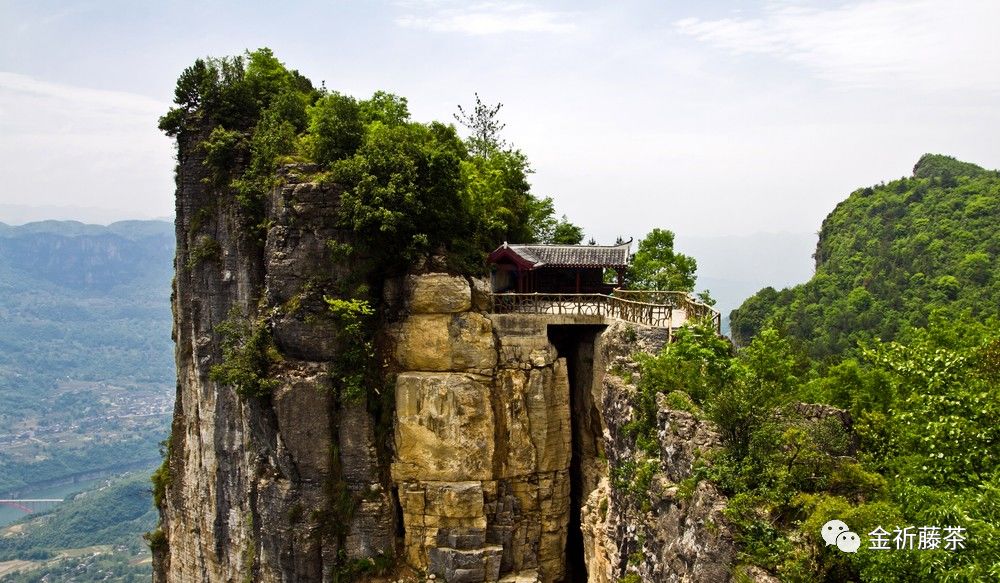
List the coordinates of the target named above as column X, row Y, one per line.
column 407, row 188
column 498, row 188
column 485, row 126
column 656, row 265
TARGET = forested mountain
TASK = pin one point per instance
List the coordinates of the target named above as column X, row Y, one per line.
column 897, row 330
column 888, row 257
column 86, row 361
column 89, row 259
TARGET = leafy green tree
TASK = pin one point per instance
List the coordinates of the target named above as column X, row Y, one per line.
column 403, row 191
column 944, row 407
column 567, row 233
column 385, row 108
column 231, row 92
column 498, row 191
column 657, row 266
column 499, row 196
column 546, row 228
column 697, row 362
column 266, row 77
column 762, row 378
column 335, row 128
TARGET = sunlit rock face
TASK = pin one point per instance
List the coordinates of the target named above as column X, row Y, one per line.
column 482, row 448
column 498, row 458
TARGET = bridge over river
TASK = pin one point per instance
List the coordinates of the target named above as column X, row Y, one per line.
column 30, row 505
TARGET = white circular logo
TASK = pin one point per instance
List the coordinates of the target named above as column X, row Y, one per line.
column 831, row 530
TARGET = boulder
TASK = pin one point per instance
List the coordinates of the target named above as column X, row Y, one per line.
column 443, row 342
column 438, row 293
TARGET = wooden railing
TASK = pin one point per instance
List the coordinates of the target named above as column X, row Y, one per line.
column 661, row 309
column 693, row 308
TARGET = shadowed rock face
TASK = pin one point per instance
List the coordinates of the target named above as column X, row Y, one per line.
column 249, row 496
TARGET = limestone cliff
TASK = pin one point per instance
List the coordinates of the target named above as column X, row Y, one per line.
column 288, row 487
column 658, row 532
column 495, row 460
column 509, row 434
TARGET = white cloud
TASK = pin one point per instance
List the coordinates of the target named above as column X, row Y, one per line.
column 926, row 44
column 13, row 84
column 485, row 18
column 96, row 148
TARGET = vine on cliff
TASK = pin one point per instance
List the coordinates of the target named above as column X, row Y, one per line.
column 354, row 368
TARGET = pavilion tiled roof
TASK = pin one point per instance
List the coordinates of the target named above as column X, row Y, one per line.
column 569, row 255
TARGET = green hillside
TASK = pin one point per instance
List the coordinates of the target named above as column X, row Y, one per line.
column 888, row 257
column 898, row 327
column 86, row 360
column 96, row 536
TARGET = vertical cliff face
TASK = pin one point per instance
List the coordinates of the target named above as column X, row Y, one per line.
column 655, row 531
column 502, row 458
column 285, row 487
column 513, row 454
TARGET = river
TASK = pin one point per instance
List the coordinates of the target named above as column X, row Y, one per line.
column 68, row 488
column 8, row 514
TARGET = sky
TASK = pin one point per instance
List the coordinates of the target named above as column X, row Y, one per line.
column 707, row 118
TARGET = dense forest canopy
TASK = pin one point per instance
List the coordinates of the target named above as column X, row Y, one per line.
column 890, row 256
column 416, row 188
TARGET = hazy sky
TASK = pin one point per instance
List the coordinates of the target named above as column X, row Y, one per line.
column 705, row 118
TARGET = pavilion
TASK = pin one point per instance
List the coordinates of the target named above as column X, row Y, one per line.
column 562, row 269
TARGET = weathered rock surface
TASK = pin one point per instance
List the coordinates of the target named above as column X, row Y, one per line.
column 249, row 490
column 438, row 293
column 482, row 450
column 445, row 343
column 659, row 535
column 444, row 427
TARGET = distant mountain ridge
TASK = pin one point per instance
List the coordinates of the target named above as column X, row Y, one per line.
column 132, row 230
column 88, row 258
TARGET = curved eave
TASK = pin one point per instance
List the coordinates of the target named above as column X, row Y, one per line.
column 582, row 266
column 505, row 253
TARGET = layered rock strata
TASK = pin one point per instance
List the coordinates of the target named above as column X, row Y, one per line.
column 498, row 461
column 483, row 438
